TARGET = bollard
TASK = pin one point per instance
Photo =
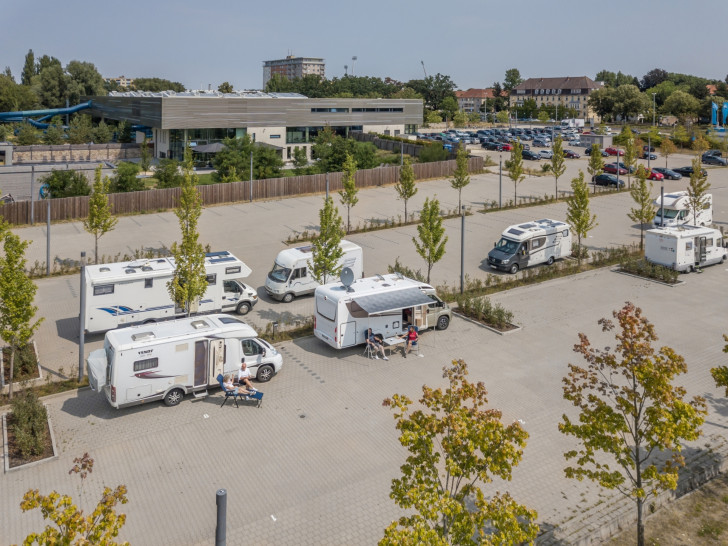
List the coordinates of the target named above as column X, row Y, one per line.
column 221, row 501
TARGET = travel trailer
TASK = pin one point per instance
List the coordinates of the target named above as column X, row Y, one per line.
column 677, row 211
column 384, row 303
column 165, row 361
column 126, row 293
column 291, row 276
column 684, row 248
column 532, row 243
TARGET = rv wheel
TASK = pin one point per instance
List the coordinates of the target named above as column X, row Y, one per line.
column 174, row 397
column 288, row 298
column 264, row 373
column 243, row 308
column 514, row 269
column 551, row 261
column 443, row 322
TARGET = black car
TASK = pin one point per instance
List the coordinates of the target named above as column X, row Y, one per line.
column 669, row 174
column 714, row 160
column 528, row 154
column 587, row 151
column 687, row 171
column 648, row 155
column 607, row 180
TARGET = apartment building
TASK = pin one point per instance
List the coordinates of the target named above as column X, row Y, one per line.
column 567, row 92
column 122, row 81
column 293, row 67
column 472, row 100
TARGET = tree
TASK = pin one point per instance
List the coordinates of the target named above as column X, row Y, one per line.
column 189, row 280
column 326, row 251
column 653, row 78
column 102, row 133
column 455, row 442
column 681, row 104
column 27, row 135
column 83, row 80
column 54, row 85
column 15, row 97
column 578, row 214
column 515, row 169
column 720, row 373
column 125, row 179
column 406, row 188
column 157, row 84
column 668, row 148
column 66, row 183
column 17, row 293
column 502, row 117
column 629, row 410
column 602, row 102
column 432, row 116
column 300, row 161
column 71, row 525
column 225, row 87
column 168, row 173
column 145, row 155
column 460, row 119
column 54, row 133
column 558, row 162
column 512, row 79
column 100, row 220
column 629, row 158
column 700, row 144
column 234, row 157
column 80, row 130
column 449, row 106
column 432, row 238
column 349, row 192
column 644, row 212
column 433, row 152
column 460, row 177
column 680, row 136
column 629, row 101
column 123, row 132
column 29, row 68
column 697, row 189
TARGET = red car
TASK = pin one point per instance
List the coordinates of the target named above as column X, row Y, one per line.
column 614, row 151
column 571, row 154
column 506, row 147
column 652, row 175
column 612, row 169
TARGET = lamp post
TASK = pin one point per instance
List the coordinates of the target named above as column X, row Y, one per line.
column 353, row 60
column 500, row 181
column 462, row 248
column 82, row 318
column 251, row 176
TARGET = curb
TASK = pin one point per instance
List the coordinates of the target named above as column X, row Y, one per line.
column 6, row 456
column 670, row 285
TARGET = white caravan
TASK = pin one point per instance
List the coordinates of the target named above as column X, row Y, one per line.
column 532, row 243
column 677, row 210
column 684, row 248
column 384, row 303
column 291, row 277
column 165, row 361
column 132, row 292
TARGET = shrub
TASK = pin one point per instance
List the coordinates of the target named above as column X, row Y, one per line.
column 29, row 418
column 643, row 268
column 483, row 310
column 25, row 361
column 406, row 271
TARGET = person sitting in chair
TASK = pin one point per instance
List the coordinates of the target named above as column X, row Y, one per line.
column 411, row 337
column 244, row 375
column 230, row 386
column 375, row 342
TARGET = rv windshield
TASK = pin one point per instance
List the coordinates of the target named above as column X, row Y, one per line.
column 507, row 246
column 670, row 214
column 279, row 273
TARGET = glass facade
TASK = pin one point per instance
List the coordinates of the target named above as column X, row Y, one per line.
column 303, row 135
column 197, row 137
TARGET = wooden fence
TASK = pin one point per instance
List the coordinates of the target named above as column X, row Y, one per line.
column 71, row 208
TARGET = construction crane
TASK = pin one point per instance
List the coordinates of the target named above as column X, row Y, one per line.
column 423, row 68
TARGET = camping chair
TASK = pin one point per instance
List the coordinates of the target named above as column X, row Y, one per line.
column 228, row 393
column 255, row 395
column 369, row 350
column 415, row 344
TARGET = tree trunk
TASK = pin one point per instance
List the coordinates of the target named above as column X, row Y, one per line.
column 10, row 375
column 405, row 212
column 96, row 248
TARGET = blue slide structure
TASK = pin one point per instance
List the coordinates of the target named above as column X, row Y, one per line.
column 27, row 115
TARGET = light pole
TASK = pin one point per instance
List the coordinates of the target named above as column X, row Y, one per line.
column 462, row 248
column 500, row 181
column 251, row 176
column 353, row 60
column 649, row 151
column 82, row 318
column 653, row 109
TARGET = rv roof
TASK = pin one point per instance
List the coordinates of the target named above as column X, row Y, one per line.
column 369, row 285
column 545, row 226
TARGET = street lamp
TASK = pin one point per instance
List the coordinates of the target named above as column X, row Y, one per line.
column 353, row 60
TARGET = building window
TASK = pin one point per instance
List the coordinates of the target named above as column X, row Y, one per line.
column 331, row 110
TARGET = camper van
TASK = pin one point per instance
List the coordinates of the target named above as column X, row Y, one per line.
column 165, row 361
column 385, row 303
column 291, row 277
column 532, row 243
column 126, row 293
column 684, row 248
column 677, row 211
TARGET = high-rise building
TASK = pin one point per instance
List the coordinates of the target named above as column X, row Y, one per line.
column 293, row 67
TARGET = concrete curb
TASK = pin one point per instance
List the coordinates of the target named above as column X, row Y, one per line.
column 6, row 456
column 619, row 270
column 515, row 329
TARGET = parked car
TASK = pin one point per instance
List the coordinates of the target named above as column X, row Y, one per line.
column 715, row 160
column 631, row 169
column 713, row 152
column 541, row 143
column 571, row 154
column 505, row 147
column 650, row 156
column 533, row 156
column 687, row 171
column 614, row 169
column 648, row 148
column 546, row 154
column 607, row 180
column 654, row 175
column 669, row 174
column 614, row 151
column 587, row 151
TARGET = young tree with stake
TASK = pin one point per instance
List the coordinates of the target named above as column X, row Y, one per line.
column 629, row 159
column 327, row 252
column 644, row 212
column 596, row 162
column 668, row 148
column 697, row 189
column 515, row 169
column 578, row 214
column 461, row 177
column 406, row 188
column 99, row 220
column 431, row 244
column 349, row 194
column 558, row 163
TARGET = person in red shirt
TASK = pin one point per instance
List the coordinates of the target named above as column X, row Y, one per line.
column 411, row 337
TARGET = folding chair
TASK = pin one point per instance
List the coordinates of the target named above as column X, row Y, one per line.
column 369, row 351
column 228, row 393
column 255, row 395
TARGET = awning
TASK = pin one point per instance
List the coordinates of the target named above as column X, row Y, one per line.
column 208, row 148
column 392, row 301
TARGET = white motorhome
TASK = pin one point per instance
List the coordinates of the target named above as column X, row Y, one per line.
column 532, row 243
column 165, row 361
column 384, row 303
column 291, row 277
column 677, row 211
column 573, row 123
column 132, row 292
column 684, row 248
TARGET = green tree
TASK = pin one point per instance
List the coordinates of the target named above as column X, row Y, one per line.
column 680, row 136
column 15, row 97
column 644, row 212
column 602, row 101
column 29, row 68
column 700, row 144
column 300, row 161
column 502, row 117
column 168, row 173
column 682, row 105
column 629, row 101
column 145, row 155
column 80, row 130
column 697, row 189
column 668, row 148
column 433, row 152
column 449, row 106
column 455, row 442
column 720, row 373
column 189, row 280
column 66, row 183
column 473, row 117
column 460, row 176
column 17, row 293
column 101, row 133
column 53, row 85
column 225, row 87
column 406, row 188
column 348, row 195
column 123, row 132
column 630, row 158
column 558, row 162
column 512, row 79
column 83, row 80
column 234, row 157
column 515, row 169
column 27, row 135
column 100, row 219
column 54, row 133
column 596, row 162
column 326, row 251
column 157, row 84
column 460, row 119
column 629, row 410
column 125, row 179
column 432, row 116
column 578, row 214
column 432, row 238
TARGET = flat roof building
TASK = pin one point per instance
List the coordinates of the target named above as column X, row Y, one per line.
column 293, row 67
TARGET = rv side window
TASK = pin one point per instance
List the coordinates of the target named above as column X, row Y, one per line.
column 251, row 348
column 538, row 243
column 212, row 278
column 103, row 289
column 683, row 214
column 146, row 364
column 709, row 241
column 230, row 286
column 689, row 245
column 300, row 273
column 232, row 270
column 148, row 283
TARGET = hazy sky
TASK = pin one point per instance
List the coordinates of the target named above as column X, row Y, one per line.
column 474, row 42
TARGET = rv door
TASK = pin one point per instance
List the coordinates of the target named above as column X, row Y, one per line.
column 200, row 363
column 217, row 360
column 700, row 250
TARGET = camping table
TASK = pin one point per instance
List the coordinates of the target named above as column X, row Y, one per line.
column 392, row 342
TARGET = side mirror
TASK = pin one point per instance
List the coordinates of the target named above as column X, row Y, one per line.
column 495, row 244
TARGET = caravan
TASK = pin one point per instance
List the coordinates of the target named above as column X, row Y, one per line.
column 165, row 361
column 126, row 293
column 677, row 211
column 291, row 277
column 532, row 243
column 385, row 303
column 684, row 248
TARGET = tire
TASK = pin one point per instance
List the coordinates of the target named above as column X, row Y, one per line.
column 442, row 323
column 265, row 373
column 243, row 308
column 174, row 397
column 550, row 261
column 513, row 269
column 288, row 298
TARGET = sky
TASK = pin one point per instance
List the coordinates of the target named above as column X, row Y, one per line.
column 201, row 43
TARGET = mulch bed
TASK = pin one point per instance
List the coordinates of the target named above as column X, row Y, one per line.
column 15, row 456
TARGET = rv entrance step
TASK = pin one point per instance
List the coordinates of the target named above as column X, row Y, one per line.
column 199, row 394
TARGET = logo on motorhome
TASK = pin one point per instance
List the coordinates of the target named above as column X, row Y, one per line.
column 148, row 351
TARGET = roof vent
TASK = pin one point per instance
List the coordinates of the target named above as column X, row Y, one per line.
column 147, row 268
column 129, row 271
column 104, row 270
column 199, row 324
column 143, row 336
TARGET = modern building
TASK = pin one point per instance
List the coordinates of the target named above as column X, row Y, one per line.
column 122, row 81
column 293, row 67
column 283, row 121
column 569, row 92
column 472, row 100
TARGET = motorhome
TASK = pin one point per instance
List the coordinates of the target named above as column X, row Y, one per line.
column 684, row 248
column 126, row 293
column 676, row 210
column 291, row 275
column 532, row 243
column 385, row 303
column 168, row 360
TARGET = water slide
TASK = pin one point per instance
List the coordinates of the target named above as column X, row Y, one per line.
column 27, row 115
